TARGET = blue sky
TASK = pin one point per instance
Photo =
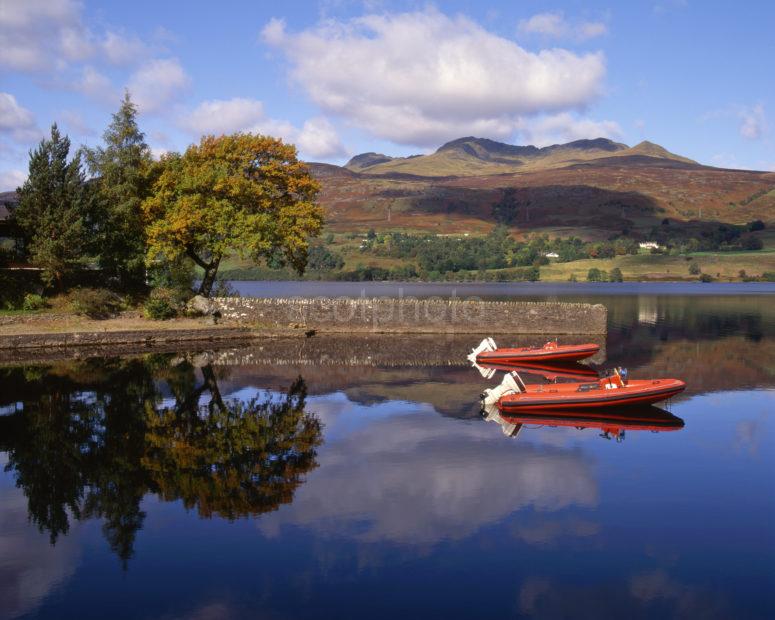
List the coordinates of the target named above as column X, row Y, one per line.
column 340, row 77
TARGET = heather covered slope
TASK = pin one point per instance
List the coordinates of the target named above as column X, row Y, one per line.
column 587, row 187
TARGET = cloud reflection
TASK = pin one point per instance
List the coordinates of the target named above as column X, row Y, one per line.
column 30, row 568
column 418, row 479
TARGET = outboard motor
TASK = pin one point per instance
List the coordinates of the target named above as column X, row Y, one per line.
column 509, row 385
column 488, row 344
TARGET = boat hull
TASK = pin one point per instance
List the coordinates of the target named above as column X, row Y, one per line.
column 560, row 353
column 574, row 397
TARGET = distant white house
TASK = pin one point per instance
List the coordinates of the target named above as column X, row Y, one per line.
column 552, row 255
column 649, row 245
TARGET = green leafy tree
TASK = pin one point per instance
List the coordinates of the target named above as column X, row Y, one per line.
column 123, row 175
column 596, row 275
column 53, row 209
column 240, row 193
column 323, row 259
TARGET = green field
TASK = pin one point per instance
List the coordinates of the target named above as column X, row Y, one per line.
column 719, row 265
column 724, row 266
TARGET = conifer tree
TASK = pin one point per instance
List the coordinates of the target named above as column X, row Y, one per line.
column 122, row 176
column 53, row 209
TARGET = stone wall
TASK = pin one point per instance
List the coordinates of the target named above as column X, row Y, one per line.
column 408, row 315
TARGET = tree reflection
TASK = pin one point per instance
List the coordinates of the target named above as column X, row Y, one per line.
column 90, row 440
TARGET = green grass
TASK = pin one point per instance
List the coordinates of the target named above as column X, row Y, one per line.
column 722, row 265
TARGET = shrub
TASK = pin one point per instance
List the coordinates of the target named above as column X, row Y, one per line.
column 596, row 275
column 323, row 259
column 162, row 304
column 694, row 269
column 616, row 275
column 768, row 276
column 32, row 302
column 706, row 277
column 751, row 243
column 756, row 225
column 96, row 303
column 573, row 278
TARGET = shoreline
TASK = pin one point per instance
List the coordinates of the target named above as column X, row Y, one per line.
column 245, row 319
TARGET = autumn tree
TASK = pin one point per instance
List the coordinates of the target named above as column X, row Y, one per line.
column 240, row 193
column 53, row 208
column 122, row 174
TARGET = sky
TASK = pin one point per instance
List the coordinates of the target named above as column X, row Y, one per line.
column 342, row 77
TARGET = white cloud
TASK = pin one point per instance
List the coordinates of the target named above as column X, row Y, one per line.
column 753, row 123
column 94, row 84
column 16, row 121
column 565, row 127
column 122, row 50
column 221, row 116
column 555, row 25
column 752, row 118
column 36, row 33
column 46, row 35
column 316, row 139
column 157, row 83
column 11, row 179
column 424, row 78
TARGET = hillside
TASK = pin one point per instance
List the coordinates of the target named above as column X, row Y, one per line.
column 588, row 187
column 476, row 156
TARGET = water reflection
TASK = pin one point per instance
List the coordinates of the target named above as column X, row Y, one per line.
column 410, row 492
column 89, row 441
column 414, row 478
column 613, row 423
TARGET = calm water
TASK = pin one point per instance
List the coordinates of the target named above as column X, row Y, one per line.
column 326, row 478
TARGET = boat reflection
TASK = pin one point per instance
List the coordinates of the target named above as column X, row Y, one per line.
column 570, row 371
column 611, row 422
column 93, row 440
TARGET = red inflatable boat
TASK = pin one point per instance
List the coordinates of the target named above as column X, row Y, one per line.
column 488, row 353
column 514, row 396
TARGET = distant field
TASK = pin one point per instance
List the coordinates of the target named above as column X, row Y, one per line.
column 723, row 265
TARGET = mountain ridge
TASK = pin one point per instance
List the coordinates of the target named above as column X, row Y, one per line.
column 470, row 155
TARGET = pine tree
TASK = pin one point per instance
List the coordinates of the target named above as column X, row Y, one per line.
column 53, row 209
column 122, row 175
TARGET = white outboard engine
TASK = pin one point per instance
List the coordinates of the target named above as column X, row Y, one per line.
column 509, row 385
column 488, row 344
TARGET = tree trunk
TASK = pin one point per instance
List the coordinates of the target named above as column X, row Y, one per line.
column 210, row 269
column 208, row 281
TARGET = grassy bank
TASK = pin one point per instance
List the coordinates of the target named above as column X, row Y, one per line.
column 724, row 266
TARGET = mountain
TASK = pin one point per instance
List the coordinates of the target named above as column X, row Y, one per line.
column 593, row 188
column 475, row 156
